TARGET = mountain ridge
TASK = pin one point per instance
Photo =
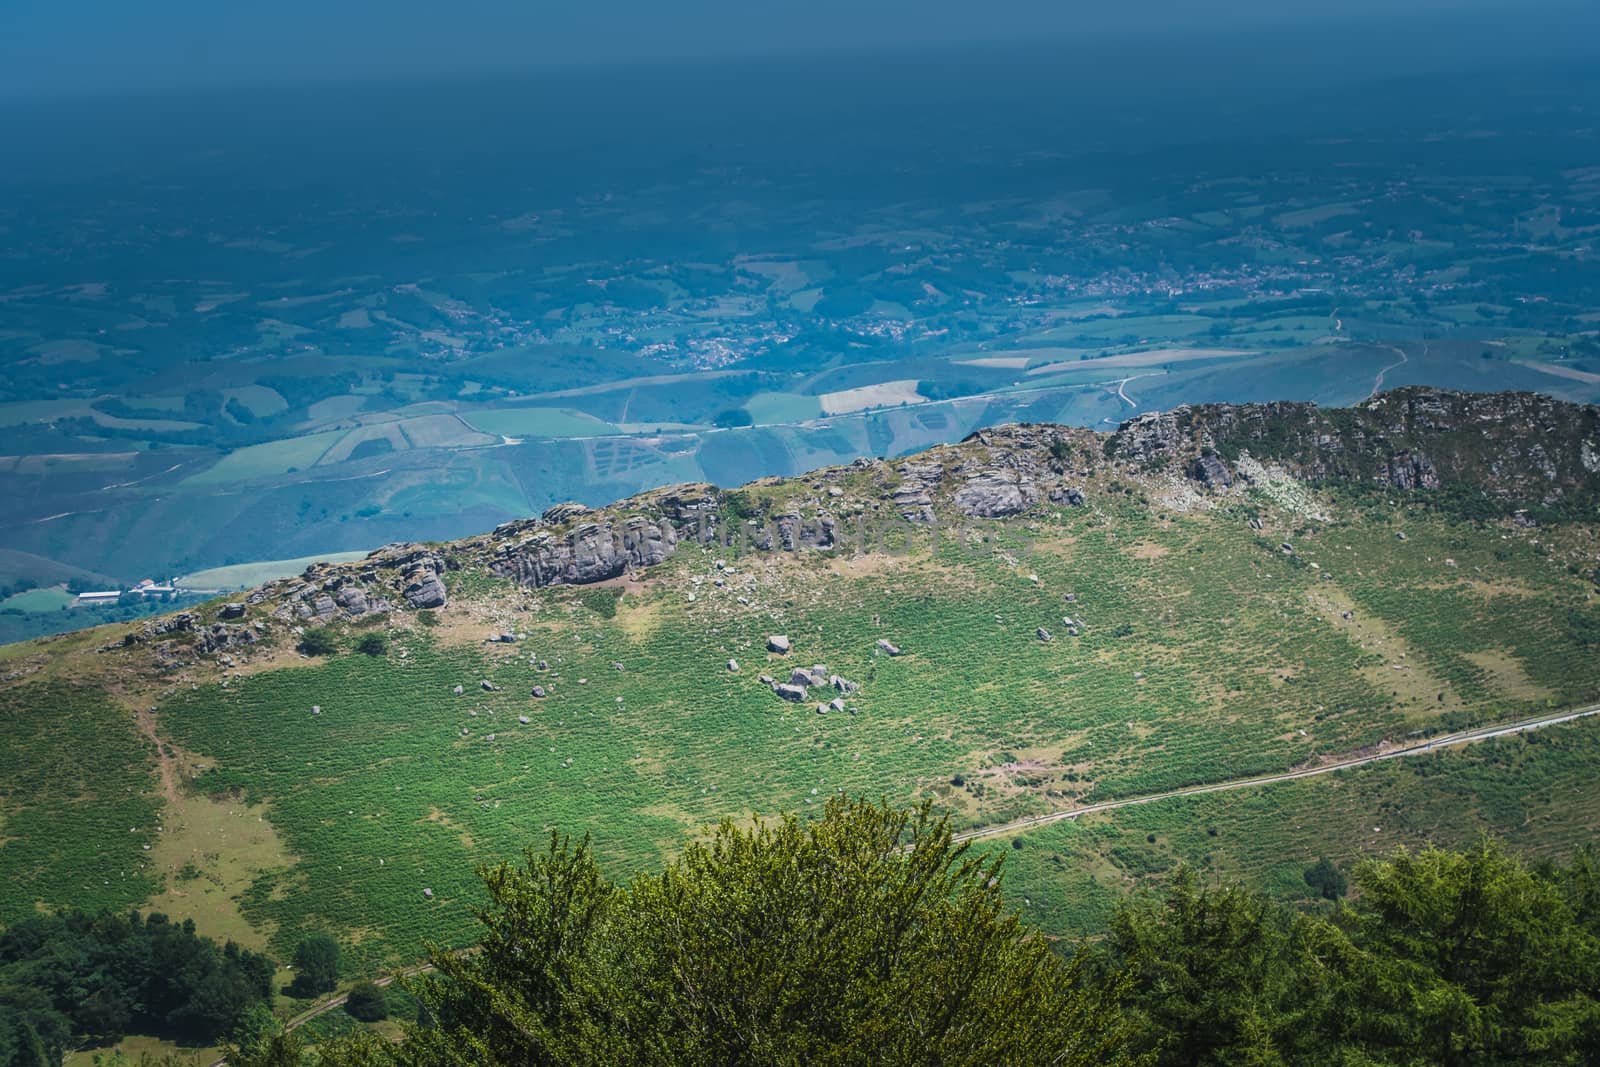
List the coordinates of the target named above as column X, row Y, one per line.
column 1522, row 454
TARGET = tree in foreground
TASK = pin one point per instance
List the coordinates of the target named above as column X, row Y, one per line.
column 868, row 936
column 366, row 1001
column 1453, row 958
column 316, row 966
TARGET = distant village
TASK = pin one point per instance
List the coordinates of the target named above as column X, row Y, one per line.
column 147, row 589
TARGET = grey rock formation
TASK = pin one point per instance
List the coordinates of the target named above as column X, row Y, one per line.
column 792, row 693
column 590, row 552
column 1071, row 497
column 994, row 494
column 913, row 497
column 423, row 588
column 232, row 611
column 1412, row 470
column 778, row 643
column 353, row 599
column 1209, row 469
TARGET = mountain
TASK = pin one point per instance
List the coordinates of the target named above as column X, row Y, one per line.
column 1032, row 621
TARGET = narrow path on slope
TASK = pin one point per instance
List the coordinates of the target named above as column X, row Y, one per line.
column 1464, row 737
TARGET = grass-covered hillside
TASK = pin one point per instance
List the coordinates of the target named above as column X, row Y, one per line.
column 1034, row 620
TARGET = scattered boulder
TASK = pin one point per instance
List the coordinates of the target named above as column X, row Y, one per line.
column 779, row 644
column 793, row 693
column 836, row 704
column 232, row 611
column 888, row 647
column 428, row 893
column 537, row 691
column 801, row 677
column 458, row 690
column 523, row 719
column 1071, row 497
column 502, row 639
column 488, row 686
column 733, row 665
column 1400, row 535
column 617, row 666
column 316, row 709
column 1255, row 523
column 1042, row 634
column 765, row 679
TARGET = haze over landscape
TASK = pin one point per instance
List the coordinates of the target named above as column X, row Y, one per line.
column 1161, row 439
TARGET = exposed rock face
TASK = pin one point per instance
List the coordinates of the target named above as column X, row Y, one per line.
column 590, row 552
column 913, row 497
column 1209, row 469
column 353, row 599
column 424, row 589
column 1515, row 446
column 1071, row 497
column 219, row 637
column 1412, row 470
column 994, row 494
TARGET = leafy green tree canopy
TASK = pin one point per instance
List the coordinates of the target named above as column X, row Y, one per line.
column 867, row 936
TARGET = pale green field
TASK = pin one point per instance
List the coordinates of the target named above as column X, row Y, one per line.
column 39, row 600
column 771, row 408
column 247, row 575
column 539, row 422
column 267, row 460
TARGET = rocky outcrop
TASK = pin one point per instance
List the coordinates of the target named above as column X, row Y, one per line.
column 1529, row 450
column 590, row 552
column 1412, row 470
column 1519, row 447
column 1208, row 469
column 913, row 497
column 994, row 494
column 424, row 589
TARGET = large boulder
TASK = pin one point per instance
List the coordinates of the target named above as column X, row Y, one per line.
column 995, row 493
column 423, row 589
column 1209, row 469
column 779, row 644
